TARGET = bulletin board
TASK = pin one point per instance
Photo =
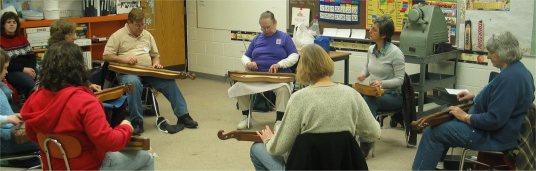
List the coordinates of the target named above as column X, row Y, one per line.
column 340, row 12
column 397, row 9
column 516, row 17
column 314, row 5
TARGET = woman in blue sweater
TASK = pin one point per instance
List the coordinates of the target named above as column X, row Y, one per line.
column 494, row 122
column 7, row 117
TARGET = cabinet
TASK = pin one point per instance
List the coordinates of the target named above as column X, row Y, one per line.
column 101, row 26
column 425, row 80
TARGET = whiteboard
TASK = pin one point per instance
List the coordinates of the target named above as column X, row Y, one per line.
column 240, row 15
column 519, row 21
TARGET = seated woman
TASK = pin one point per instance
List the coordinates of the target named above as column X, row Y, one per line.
column 22, row 68
column 334, row 108
column 8, row 118
column 495, row 120
column 61, row 30
column 63, row 104
column 271, row 51
column 385, row 67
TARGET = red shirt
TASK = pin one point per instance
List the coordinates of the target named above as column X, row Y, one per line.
column 74, row 111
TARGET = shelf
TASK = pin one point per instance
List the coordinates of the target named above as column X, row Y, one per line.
column 432, row 80
column 44, row 23
column 39, row 50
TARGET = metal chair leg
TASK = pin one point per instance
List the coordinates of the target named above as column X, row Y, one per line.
column 250, row 111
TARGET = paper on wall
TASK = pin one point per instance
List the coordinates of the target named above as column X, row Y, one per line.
column 300, row 15
column 343, row 33
column 358, row 33
column 330, row 32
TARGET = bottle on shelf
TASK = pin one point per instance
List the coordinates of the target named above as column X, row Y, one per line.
column 314, row 26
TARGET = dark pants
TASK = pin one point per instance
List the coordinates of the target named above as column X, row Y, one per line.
column 21, row 81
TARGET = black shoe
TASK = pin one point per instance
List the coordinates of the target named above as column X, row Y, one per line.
column 367, row 148
column 187, row 121
column 138, row 127
column 172, row 129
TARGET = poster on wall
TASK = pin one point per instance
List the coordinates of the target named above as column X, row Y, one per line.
column 339, row 11
column 397, row 9
column 484, row 23
column 489, row 5
column 19, row 5
column 300, row 15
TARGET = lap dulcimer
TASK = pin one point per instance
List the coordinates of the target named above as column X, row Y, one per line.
column 368, row 90
column 136, row 142
column 113, row 93
column 148, row 71
column 437, row 118
column 241, row 76
column 240, row 135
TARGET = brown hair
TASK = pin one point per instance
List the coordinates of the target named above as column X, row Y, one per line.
column 63, row 65
column 313, row 65
column 10, row 15
column 59, row 29
column 135, row 15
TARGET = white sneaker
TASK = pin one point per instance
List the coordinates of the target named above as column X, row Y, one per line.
column 244, row 123
column 276, row 126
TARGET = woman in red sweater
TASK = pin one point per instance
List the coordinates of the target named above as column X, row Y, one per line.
column 64, row 105
column 22, row 69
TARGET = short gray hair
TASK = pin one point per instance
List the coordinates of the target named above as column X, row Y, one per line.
column 506, row 46
column 267, row 14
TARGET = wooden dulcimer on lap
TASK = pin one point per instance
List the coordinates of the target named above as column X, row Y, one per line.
column 240, row 135
column 148, row 71
column 437, row 118
column 138, row 143
column 242, row 76
column 113, row 93
column 368, row 90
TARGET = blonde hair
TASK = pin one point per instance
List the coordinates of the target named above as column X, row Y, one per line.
column 135, row 15
column 313, row 65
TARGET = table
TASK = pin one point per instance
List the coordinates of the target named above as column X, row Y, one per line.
column 337, row 56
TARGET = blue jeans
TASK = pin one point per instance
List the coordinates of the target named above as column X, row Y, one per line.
column 167, row 87
column 388, row 102
column 262, row 160
column 128, row 160
column 437, row 139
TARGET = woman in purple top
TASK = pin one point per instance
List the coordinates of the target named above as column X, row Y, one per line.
column 271, row 51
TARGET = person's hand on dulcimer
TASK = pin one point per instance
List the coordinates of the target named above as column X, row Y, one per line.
column 266, row 134
column 126, row 122
column 273, row 68
column 157, row 66
column 95, row 87
column 129, row 60
column 252, row 66
column 465, row 96
column 376, row 83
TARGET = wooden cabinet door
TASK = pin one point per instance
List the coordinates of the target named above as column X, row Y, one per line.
column 168, row 31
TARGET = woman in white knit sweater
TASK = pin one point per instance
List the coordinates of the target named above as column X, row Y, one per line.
column 322, row 107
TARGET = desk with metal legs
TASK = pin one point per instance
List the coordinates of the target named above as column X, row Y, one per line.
column 337, row 56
